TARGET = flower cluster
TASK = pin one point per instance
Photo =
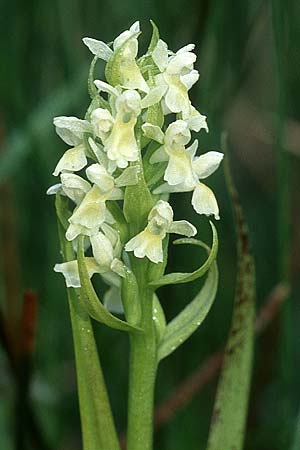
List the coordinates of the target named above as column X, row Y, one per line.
column 123, row 138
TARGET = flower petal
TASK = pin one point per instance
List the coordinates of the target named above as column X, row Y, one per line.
column 186, row 48
column 98, row 48
column 52, row 190
column 204, row 201
column 91, row 212
column 102, row 250
column 121, row 146
column 70, row 271
column 160, row 55
column 112, row 300
column 207, row 164
column 179, row 169
column 74, row 230
column 183, row 227
column 129, row 177
column 177, row 99
column 105, row 87
column 154, row 96
column 153, row 132
column 196, row 121
column 72, row 160
column 146, row 244
column 71, row 129
column 192, row 149
column 190, row 79
column 74, row 186
column 98, row 151
column 159, row 155
column 98, row 175
column 180, row 61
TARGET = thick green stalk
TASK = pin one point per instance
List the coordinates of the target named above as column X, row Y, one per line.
column 142, row 374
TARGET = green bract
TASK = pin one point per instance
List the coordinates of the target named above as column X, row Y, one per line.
column 133, row 148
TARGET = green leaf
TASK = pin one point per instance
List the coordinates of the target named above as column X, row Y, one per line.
column 91, row 86
column 97, row 424
column 188, row 320
column 159, row 319
column 296, row 440
column 154, row 37
column 138, row 202
column 130, row 297
column 93, row 305
column 62, row 210
column 184, row 277
column 231, row 404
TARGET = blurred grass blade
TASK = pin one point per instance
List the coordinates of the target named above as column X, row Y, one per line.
column 97, row 424
column 296, row 441
column 188, row 320
column 185, row 277
column 231, row 404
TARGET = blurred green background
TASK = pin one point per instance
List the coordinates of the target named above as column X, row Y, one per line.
column 249, row 61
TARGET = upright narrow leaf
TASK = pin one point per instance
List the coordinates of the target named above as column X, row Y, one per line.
column 188, row 320
column 231, row 404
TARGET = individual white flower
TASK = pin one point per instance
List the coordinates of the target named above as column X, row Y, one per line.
column 160, row 222
column 173, row 150
column 203, row 198
column 92, row 212
column 125, row 50
column 71, row 129
column 177, row 74
column 72, row 160
column 121, row 145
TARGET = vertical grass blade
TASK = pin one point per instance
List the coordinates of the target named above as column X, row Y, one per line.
column 231, row 404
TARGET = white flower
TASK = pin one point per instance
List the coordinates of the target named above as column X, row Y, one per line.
column 160, row 222
column 121, row 145
column 125, row 49
column 71, row 129
column 91, row 212
column 203, row 199
column 72, row 160
column 177, row 74
column 177, row 135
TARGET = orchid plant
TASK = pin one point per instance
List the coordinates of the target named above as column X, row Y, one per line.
column 131, row 151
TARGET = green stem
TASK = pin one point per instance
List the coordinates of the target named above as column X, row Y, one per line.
column 142, row 374
column 97, row 423
column 98, row 430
